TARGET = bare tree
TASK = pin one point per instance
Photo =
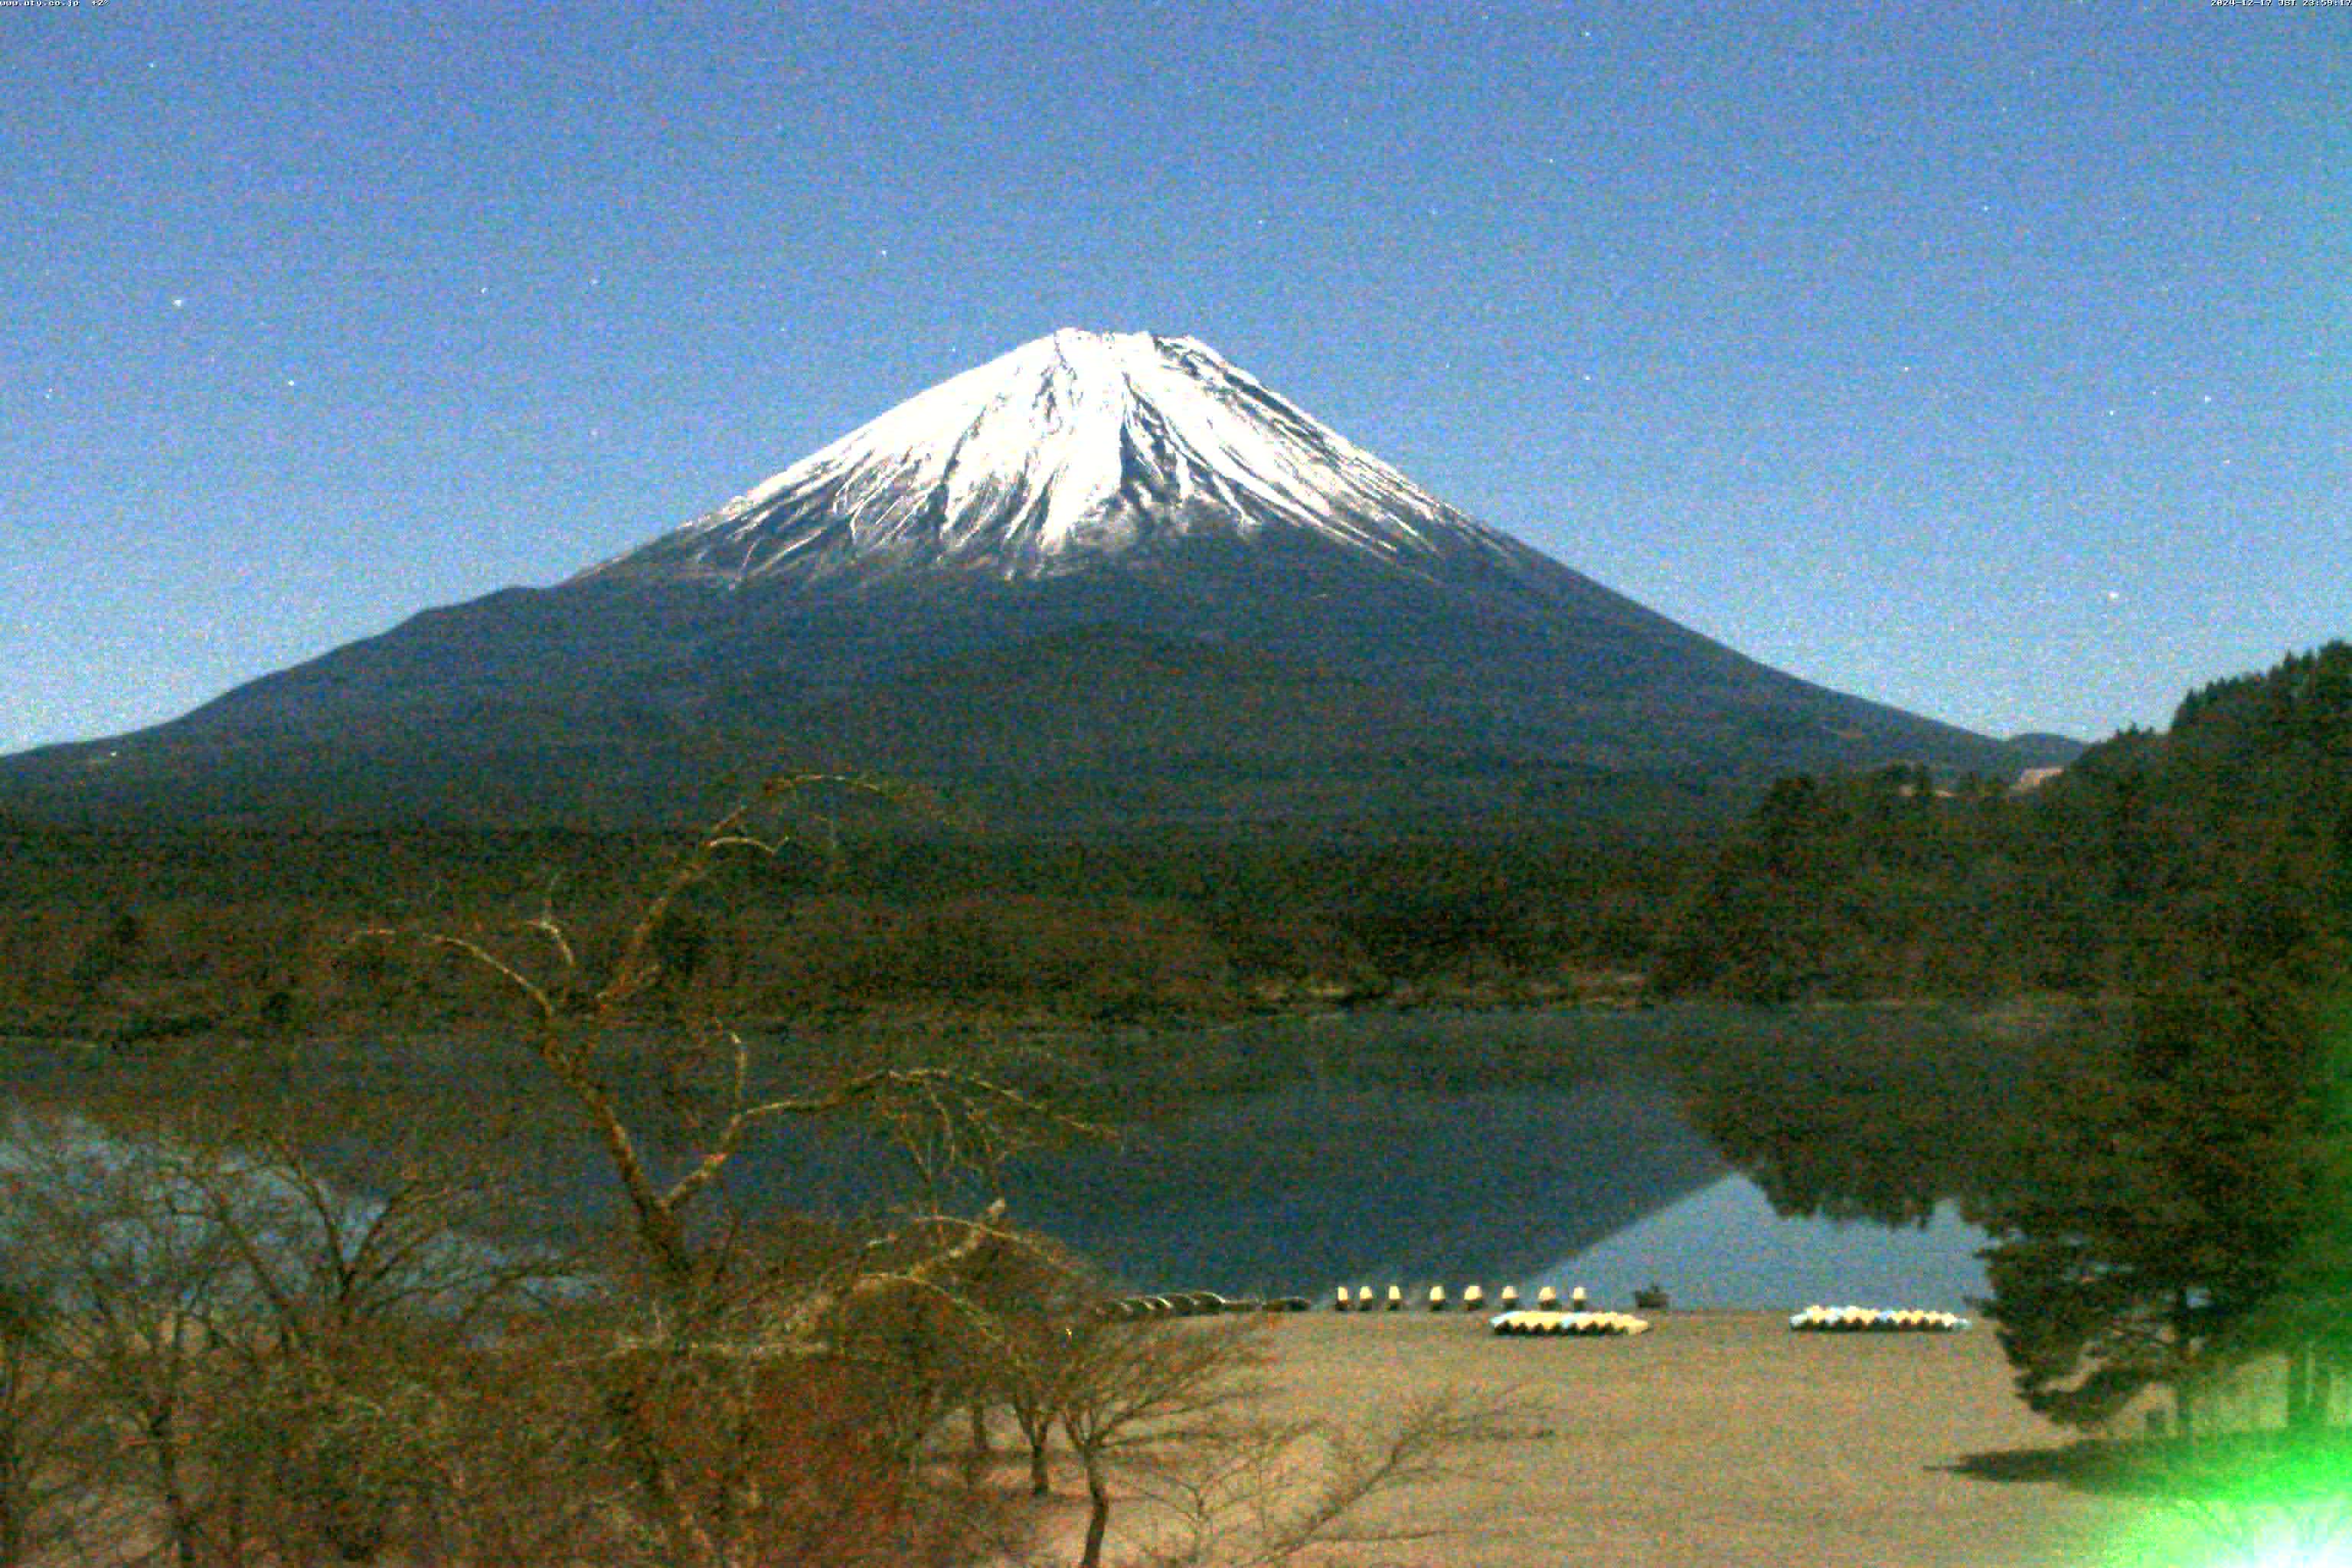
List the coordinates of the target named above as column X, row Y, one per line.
column 356, row 1315
column 270, row 1361
column 1031, row 1309
column 1177, row 1413
column 1269, row 1491
column 40, row 1412
column 706, row 1317
column 1136, row 1396
column 574, row 1017
column 142, row 1277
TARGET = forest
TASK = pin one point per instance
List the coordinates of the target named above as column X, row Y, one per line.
column 2149, row 850
column 146, row 933
column 2168, row 1175
column 1896, row 883
column 2161, row 1148
column 271, row 1298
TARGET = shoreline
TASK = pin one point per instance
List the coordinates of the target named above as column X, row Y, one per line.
column 1720, row 1438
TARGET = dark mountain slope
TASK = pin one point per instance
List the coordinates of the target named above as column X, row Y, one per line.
column 1312, row 612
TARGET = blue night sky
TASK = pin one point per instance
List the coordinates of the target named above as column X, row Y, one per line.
column 1993, row 361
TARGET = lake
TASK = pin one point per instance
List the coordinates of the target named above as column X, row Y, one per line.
column 1504, row 1148
column 1603, row 1185
column 1432, row 1148
column 1724, row 1247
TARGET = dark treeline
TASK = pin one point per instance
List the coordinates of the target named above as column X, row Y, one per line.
column 2181, row 1185
column 515, row 1297
column 1895, row 883
column 1877, row 1113
column 1891, row 884
column 2156, row 873
column 2169, row 1175
column 161, row 932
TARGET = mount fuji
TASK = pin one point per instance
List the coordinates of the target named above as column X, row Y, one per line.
column 1069, row 452
column 1104, row 578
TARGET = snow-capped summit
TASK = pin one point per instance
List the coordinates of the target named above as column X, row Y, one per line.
column 1075, row 446
column 1103, row 580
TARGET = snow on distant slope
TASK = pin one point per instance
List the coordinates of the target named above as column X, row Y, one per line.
column 1067, row 449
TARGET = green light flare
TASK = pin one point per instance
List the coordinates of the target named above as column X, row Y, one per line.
column 2240, row 1507
column 2263, row 1496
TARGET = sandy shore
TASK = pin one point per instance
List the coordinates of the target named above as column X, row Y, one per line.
column 1718, row 1441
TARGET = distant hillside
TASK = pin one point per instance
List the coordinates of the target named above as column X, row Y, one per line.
column 2037, row 750
column 1871, row 885
column 1102, row 582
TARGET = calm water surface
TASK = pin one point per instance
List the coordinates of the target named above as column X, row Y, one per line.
column 1602, row 1183
column 1724, row 1247
column 1419, row 1175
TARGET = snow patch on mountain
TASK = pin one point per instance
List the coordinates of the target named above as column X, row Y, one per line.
column 1070, row 447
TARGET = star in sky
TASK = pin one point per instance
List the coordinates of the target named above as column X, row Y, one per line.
column 1772, row 205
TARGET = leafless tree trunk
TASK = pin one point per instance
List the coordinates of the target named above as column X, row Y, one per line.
column 1134, row 1395
column 1098, row 1507
column 40, row 1415
column 1041, row 1474
column 180, row 1515
column 705, row 1309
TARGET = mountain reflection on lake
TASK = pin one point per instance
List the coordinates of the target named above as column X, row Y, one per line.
column 1724, row 1247
column 1295, row 1191
column 1518, row 1148
column 1569, row 1148
column 1603, row 1187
